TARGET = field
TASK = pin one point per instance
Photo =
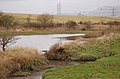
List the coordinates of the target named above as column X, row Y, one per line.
column 104, row 56
column 107, row 67
column 65, row 18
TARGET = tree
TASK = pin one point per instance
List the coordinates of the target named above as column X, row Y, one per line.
column 6, row 40
column 45, row 20
column 6, row 20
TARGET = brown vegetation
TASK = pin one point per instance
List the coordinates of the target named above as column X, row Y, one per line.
column 94, row 34
column 6, row 21
column 20, row 59
column 71, row 24
column 69, row 51
column 45, row 20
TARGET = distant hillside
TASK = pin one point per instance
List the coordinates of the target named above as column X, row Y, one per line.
column 63, row 18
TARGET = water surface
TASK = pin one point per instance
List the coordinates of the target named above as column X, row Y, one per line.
column 42, row 42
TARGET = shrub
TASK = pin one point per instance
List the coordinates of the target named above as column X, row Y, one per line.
column 87, row 24
column 113, row 23
column 6, row 21
column 5, row 66
column 55, row 52
column 21, row 59
column 45, row 20
column 67, row 51
column 71, row 24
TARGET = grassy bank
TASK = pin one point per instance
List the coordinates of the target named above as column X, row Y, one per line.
column 45, row 32
column 18, row 60
column 108, row 67
column 105, row 68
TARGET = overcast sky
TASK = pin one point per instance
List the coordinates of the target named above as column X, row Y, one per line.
column 50, row 6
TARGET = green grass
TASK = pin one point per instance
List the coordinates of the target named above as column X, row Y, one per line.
column 104, row 68
column 45, row 32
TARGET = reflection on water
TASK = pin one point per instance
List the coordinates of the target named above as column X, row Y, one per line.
column 41, row 42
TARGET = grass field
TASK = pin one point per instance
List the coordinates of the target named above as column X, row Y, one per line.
column 104, row 68
column 63, row 19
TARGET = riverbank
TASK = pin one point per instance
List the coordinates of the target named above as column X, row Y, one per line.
column 107, row 65
column 45, row 32
column 21, row 62
column 74, row 51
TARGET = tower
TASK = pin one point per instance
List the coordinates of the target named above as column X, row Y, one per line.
column 59, row 8
column 113, row 11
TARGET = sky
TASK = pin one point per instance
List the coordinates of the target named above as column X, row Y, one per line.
column 50, row 6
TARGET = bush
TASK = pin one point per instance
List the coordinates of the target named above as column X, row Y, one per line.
column 45, row 20
column 87, row 24
column 113, row 23
column 67, row 51
column 21, row 59
column 71, row 24
column 56, row 52
column 6, row 21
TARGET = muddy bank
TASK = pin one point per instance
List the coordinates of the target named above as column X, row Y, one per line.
column 52, row 64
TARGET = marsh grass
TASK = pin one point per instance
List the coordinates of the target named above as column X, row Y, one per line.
column 73, row 51
column 104, row 68
column 21, row 59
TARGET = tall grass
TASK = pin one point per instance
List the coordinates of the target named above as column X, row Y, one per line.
column 104, row 68
column 73, row 51
column 76, row 51
column 21, row 59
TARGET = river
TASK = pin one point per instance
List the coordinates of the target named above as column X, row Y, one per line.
column 42, row 42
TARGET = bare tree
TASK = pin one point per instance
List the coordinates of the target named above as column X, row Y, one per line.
column 6, row 20
column 45, row 20
column 7, row 40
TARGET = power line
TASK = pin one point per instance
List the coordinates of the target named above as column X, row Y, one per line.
column 112, row 11
column 59, row 8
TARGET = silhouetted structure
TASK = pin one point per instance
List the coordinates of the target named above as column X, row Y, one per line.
column 59, row 8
